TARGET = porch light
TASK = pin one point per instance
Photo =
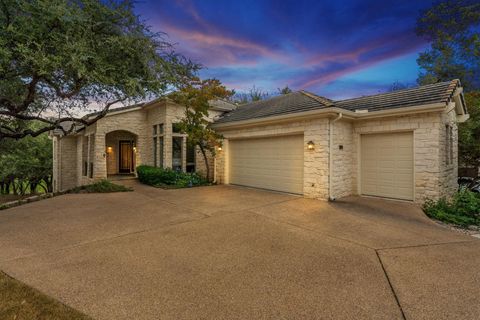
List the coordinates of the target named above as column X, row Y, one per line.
column 219, row 148
column 109, row 149
column 310, row 145
column 135, row 149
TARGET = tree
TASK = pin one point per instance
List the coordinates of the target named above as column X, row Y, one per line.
column 253, row 94
column 26, row 164
column 469, row 133
column 284, row 90
column 196, row 97
column 58, row 58
column 452, row 28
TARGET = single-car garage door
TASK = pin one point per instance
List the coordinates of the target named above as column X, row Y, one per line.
column 274, row 163
column 387, row 165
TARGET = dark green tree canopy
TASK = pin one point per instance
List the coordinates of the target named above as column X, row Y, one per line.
column 60, row 57
column 452, row 27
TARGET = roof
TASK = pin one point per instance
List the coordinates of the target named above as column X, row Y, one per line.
column 433, row 93
column 289, row 103
column 301, row 101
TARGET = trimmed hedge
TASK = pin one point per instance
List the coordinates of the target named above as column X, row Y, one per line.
column 159, row 177
column 462, row 209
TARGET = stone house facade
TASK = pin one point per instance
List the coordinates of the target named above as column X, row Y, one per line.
column 399, row 145
column 124, row 139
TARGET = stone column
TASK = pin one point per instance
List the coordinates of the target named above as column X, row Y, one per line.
column 99, row 158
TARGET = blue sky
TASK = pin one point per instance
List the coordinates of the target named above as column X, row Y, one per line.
column 338, row 49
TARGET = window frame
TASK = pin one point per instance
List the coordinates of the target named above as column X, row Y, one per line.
column 158, row 135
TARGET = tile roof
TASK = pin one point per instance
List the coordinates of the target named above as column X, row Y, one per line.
column 289, row 103
column 301, row 101
column 433, row 93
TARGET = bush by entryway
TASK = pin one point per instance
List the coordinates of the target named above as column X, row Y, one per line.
column 463, row 209
column 160, row 177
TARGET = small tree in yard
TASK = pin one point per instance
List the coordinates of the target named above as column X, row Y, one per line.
column 58, row 58
column 196, row 97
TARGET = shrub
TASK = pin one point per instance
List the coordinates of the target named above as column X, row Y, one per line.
column 157, row 177
column 462, row 209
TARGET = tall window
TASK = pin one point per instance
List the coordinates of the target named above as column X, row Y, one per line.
column 190, row 158
column 157, row 149
column 448, row 144
column 177, row 150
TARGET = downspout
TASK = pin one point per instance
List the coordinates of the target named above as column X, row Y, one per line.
column 330, row 156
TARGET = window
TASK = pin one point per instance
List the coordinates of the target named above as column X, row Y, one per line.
column 448, row 144
column 176, row 128
column 157, row 148
column 155, row 152
column 190, row 158
column 177, row 153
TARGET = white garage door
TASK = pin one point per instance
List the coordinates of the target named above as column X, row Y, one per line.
column 274, row 163
column 387, row 165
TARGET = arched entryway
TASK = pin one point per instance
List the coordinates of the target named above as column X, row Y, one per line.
column 121, row 151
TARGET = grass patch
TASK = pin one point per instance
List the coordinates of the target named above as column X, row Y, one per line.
column 168, row 178
column 20, row 302
column 102, row 186
column 463, row 209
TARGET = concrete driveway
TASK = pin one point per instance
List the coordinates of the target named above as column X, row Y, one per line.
column 235, row 253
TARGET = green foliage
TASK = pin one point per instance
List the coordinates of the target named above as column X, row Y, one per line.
column 254, row 94
column 196, row 97
column 469, row 132
column 159, row 177
column 103, row 186
column 60, row 57
column 452, row 27
column 463, row 209
column 26, row 164
column 284, row 90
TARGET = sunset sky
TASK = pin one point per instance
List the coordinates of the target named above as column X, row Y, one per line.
column 338, row 49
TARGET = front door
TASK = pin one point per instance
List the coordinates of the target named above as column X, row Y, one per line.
column 125, row 157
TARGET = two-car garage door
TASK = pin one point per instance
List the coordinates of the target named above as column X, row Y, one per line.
column 386, row 165
column 274, row 163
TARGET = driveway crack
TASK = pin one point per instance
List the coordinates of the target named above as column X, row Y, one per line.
column 391, row 285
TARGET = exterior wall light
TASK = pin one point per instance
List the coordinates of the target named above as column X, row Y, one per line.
column 109, row 149
column 135, row 149
column 219, row 148
column 310, row 145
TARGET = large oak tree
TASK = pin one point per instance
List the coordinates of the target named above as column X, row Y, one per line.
column 58, row 58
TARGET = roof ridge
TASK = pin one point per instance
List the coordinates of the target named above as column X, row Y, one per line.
column 325, row 101
column 403, row 90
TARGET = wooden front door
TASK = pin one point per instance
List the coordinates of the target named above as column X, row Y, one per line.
column 125, row 157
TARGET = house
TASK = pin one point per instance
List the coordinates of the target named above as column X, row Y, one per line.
column 399, row 145
column 125, row 138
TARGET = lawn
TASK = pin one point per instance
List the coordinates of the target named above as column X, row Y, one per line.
column 20, row 302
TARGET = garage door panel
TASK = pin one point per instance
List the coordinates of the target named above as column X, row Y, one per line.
column 274, row 163
column 387, row 165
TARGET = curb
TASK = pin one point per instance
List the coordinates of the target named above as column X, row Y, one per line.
column 39, row 197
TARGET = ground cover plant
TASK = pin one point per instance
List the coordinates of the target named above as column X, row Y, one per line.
column 168, row 178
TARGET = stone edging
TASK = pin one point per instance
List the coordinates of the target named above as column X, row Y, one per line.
column 39, row 197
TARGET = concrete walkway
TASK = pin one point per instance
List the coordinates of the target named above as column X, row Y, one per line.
column 235, row 253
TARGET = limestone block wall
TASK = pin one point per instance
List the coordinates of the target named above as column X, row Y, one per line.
column 426, row 128
column 316, row 161
column 134, row 122
column 65, row 161
column 343, row 159
column 448, row 171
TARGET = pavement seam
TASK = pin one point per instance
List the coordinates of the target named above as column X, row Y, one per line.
column 391, row 286
column 427, row 245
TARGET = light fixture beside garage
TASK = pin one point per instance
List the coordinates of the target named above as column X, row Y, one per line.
column 310, row 145
column 219, row 148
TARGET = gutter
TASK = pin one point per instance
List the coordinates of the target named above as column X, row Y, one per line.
column 330, row 155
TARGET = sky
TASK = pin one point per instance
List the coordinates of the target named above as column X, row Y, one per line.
column 337, row 48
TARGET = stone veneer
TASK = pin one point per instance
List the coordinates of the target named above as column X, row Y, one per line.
column 433, row 178
column 90, row 144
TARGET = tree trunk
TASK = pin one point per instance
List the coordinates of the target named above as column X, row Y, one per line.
column 206, row 162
